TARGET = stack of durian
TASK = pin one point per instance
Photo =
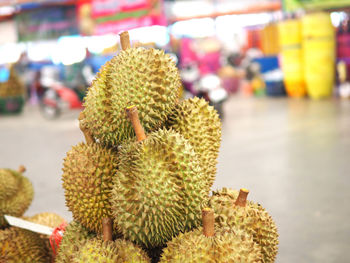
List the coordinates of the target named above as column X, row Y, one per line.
column 16, row 244
column 13, row 86
column 147, row 167
column 12, row 93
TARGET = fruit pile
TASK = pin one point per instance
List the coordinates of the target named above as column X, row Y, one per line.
column 138, row 188
column 13, row 86
column 11, row 93
column 16, row 244
column 16, row 193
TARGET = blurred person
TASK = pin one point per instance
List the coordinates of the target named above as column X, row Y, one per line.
column 37, row 88
column 25, row 74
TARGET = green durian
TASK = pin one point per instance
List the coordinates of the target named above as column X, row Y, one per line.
column 224, row 246
column 119, row 251
column 19, row 194
column 251, row 217
column 200, row 124
column 159, row 189
column 73, row 238
column 136, row 76
column 9, row 184
column 88, row 170
column 18, row 245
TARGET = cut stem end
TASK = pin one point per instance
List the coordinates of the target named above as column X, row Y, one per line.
column 107, row 229
column 125, row 40
column 208, row 222
column 242, row 197
column 21, row 169
column 133, row 116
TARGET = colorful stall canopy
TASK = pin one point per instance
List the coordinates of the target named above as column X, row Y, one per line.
column 98, row 17
column 46, row 23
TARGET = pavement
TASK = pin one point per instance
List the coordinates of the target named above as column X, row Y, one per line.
column 292, row 154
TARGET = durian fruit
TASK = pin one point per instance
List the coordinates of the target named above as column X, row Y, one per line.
column 232, row 209
column 160, row 187
column 88, row 170
column 209, row 245
column 200, row 124
column 47, row 219
column 145, row 77
column 120, row 251
column 19, row 194
column 8, row 184
column 73, row 238
column 18, row 245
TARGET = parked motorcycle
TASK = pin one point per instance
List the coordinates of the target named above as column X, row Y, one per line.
column 58, row 97
column 208, row 86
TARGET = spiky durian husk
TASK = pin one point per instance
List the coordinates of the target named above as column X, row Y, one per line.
column 18, row 245
column 119, row 251
column 18, row 202
column 228, row 245
column 9, row 184
column 88, row 171
column 48, row 219
column 253, row 218
column 147, row 78
column 97, row 103
column 200, row 124
column 73, row 238
column 159, row 189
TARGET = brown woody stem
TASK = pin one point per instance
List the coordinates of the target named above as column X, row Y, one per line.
column 242, row 197
column 107, row 226
column 88, row 138
column 21, row 169
column 125, row 40
column 208, row 222
column 135, row 121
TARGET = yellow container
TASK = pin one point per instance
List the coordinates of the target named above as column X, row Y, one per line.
column 292, row 57
column 319, row 54
column 289, row 32
column 269, row 40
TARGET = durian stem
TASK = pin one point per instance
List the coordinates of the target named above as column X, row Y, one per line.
column 125, row 40
column 136, row 124
column 107, row 226
column 88, row 138
column 242, row 197
column 21, row 169
column 208, row 222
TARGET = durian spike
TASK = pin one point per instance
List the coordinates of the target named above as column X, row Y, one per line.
column 242, row 197
column 208, row 222
column 107, row 225
column 125, row 40
column 88, row 138
column 135, row 121
column 21, row 169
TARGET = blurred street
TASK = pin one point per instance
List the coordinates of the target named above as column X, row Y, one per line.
column 292, row 154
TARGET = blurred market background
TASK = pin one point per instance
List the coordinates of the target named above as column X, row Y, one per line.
column 276, row 71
